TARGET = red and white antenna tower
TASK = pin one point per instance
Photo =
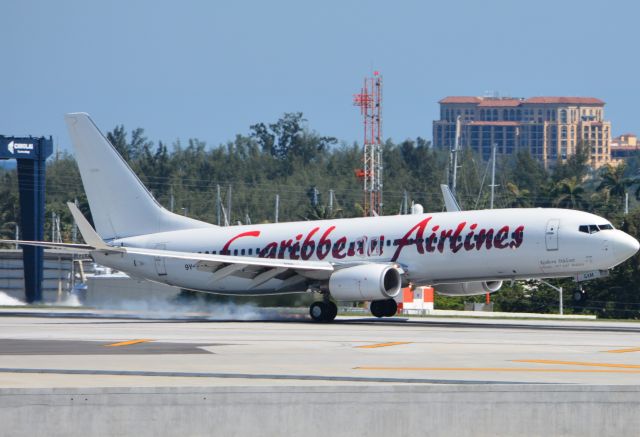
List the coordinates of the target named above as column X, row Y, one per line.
column 370, row 102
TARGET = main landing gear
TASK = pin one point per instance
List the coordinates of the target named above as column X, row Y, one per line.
column 324, row 311
column 384, row 308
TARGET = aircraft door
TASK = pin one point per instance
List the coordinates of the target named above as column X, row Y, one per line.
column 161, row 268
column 551, row 234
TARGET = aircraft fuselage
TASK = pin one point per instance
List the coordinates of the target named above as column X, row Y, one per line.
column 431, row 248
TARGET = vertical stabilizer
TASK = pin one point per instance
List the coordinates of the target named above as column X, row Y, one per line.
column 120, row 204
column 450, row 201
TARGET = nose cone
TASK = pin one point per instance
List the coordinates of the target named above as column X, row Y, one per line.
column 624, row 246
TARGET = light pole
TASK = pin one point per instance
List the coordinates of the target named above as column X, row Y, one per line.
column 559, row 290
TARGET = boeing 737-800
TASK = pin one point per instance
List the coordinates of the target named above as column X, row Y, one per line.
column 356, row 259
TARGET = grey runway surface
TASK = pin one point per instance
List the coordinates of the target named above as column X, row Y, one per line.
column 66, row 349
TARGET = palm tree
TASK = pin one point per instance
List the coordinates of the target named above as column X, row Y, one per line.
column 614, row 183
column 518, row 198
column 568, row 194
column 323, row 212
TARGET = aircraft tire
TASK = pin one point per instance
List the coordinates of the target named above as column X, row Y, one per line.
column 390, row 308
column 377, row 308
column 323, row 311
column 318, row 311
column 333, row 311
column 384, row 308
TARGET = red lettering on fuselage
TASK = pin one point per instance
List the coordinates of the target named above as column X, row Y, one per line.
column 404, row 241
column 456, row 239
column 324, row 245
column 225, row 248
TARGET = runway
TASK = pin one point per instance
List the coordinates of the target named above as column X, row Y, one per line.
column 276, row 373
column 85, row 349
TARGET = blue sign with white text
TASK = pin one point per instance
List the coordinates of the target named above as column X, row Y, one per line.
column 25, row 148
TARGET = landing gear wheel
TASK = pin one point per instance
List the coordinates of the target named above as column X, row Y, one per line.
column 390, row 307
column 318, row 311
column 377, row 308
column 323, row 311
column 384, row 308
column 333, row 311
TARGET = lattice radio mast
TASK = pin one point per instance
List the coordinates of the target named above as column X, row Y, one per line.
column 370, row 102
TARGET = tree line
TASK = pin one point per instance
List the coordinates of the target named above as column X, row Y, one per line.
column 314, row 177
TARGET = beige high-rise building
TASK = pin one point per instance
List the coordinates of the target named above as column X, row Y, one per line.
column 624, row 147
column 549, row 127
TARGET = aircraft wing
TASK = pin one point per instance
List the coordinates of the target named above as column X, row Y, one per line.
column 206, row 259
column 260, row 270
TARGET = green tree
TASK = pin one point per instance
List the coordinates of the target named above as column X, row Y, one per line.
column 614, row 183
column 516, row 197
column 118, row 138
column 9, row 204
column 568, row 193
column 576, row 166
column 528, row 175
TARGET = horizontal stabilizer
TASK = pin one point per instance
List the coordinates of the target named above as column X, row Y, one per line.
column 70, row 247
column 90, row 236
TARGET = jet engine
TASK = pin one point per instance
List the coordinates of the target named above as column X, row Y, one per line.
column 365, row 282
column 468, row 288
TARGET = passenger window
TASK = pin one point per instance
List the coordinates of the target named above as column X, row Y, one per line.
column 242, row 252
column 235, row 252
column 250, row 251
column 388, row 243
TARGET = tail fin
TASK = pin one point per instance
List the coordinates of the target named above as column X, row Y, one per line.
column 120, row 204
column 450, row 201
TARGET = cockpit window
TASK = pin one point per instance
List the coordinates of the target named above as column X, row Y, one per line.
column 592, row 229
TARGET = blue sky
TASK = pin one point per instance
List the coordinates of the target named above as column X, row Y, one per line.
column 209, row 69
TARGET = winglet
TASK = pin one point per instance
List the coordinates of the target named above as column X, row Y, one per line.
column 90, row 236
column 449, row 199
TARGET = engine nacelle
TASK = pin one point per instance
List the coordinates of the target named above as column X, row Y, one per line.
column 365, row 282
column 468, row 288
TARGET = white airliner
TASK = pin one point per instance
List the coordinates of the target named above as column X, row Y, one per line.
column 357, row 259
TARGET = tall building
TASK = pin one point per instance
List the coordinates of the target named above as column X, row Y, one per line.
column 624, row 147
column 549, row 127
